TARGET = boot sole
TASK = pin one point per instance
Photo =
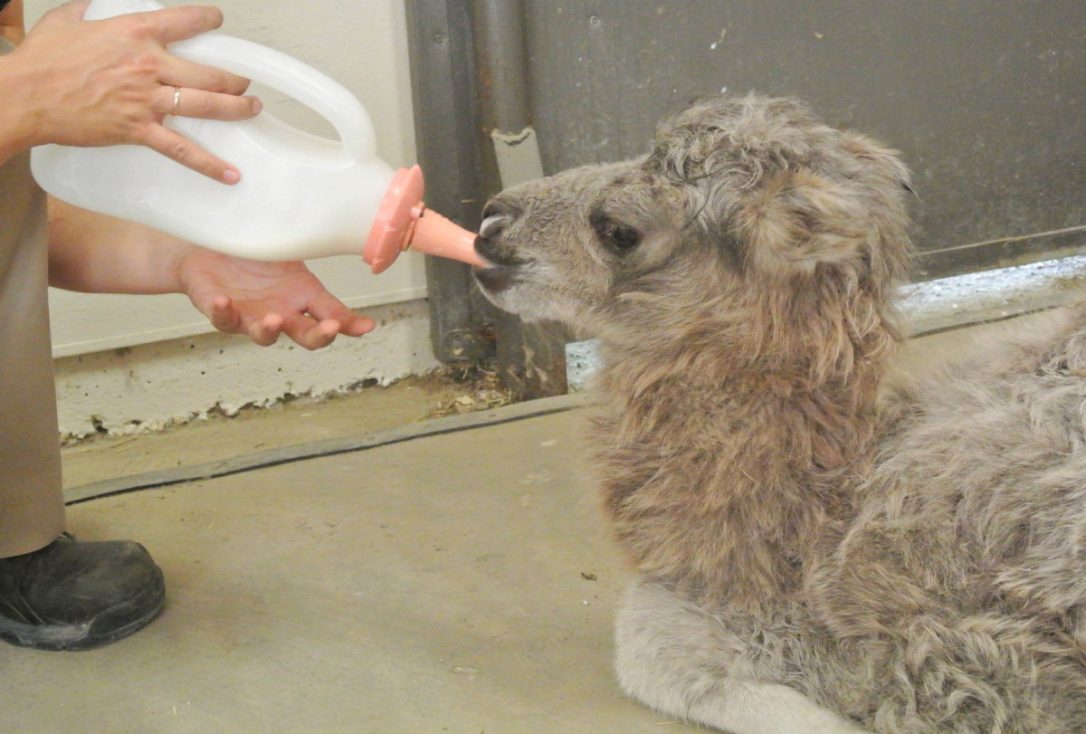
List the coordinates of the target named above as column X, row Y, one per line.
column 109, row 626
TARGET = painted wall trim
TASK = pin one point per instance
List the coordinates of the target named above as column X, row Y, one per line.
column 200, row 325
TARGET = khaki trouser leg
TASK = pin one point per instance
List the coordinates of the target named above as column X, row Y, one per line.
column 31, row 502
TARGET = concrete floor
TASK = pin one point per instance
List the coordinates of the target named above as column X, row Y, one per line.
column 458, row 583
column 454, row 583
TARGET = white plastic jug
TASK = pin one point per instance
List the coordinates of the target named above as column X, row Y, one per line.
column 300, row 195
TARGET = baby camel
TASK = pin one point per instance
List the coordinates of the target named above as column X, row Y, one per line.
column 809, row 562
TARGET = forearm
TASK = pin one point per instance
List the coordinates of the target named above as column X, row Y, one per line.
column 98, row 254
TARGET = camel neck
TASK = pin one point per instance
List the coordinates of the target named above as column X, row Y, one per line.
column 720, row 484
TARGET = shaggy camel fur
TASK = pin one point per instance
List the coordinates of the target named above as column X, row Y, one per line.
column 810, row 559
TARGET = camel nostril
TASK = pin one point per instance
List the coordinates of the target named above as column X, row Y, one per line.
column 497, row 252
column 493, row 224
column 486, row 248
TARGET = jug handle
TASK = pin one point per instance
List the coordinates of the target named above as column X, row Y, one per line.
column 270, row 67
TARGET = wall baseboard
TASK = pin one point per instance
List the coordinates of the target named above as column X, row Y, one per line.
column 152, row 386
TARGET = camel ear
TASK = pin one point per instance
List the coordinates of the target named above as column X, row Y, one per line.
column 798, row 220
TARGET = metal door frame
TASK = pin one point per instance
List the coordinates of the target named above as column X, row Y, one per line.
column 469, row 86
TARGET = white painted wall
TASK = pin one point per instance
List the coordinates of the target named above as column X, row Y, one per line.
column 362, row 45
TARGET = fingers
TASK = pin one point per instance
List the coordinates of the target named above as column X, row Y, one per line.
column 356, row 325
column 189, row 154
column 177, row 24
column 179, row 72
column 265, row 332
column 224, row 316
column 313, row 334
column 327, row 306
column 310, row 333
column 206, row 105
column 304, row 330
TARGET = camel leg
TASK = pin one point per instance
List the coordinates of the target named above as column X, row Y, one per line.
column 675, row 658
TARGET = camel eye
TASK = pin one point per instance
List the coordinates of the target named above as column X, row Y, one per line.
column 617, row 237
column 624, row 238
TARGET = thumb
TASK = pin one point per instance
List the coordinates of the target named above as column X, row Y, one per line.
column 223, row 315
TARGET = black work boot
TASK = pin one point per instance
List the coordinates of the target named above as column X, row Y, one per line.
column 75, row 596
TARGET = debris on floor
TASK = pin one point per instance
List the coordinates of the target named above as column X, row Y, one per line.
column 482, row 390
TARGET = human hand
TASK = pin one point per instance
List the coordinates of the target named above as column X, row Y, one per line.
column 262, row 299
column 107, row 82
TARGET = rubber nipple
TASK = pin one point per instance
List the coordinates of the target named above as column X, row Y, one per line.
column 403, row 221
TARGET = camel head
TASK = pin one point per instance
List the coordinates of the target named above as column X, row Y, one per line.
column 751, row 226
